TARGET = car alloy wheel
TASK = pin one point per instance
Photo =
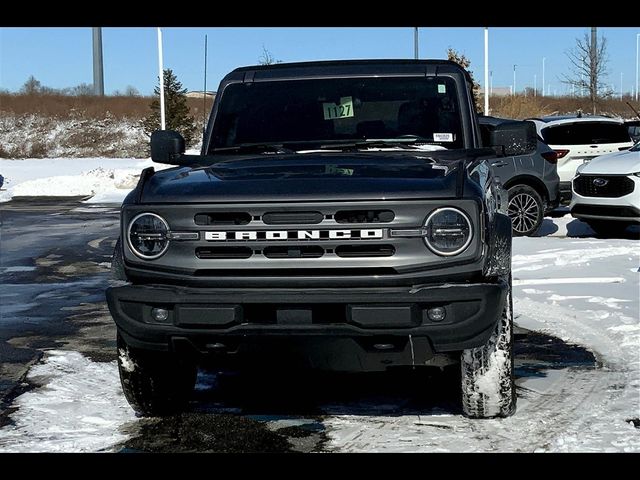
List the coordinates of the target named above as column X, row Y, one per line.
column 525, row 210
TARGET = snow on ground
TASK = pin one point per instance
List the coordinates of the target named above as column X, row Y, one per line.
column 586, row 292
column 104, row 179
column 79, row 409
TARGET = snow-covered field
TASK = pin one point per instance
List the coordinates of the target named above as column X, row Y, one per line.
column 567, row 283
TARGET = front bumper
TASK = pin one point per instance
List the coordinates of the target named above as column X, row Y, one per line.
column 213, row 318
column 625, row 208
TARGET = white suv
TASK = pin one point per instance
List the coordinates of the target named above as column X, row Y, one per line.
column 606, row 191
column 579, row 139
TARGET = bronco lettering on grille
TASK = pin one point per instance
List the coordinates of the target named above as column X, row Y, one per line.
column 275, row 235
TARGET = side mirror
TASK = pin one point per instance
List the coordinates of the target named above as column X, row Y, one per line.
column 167, row 146
column 515, row 138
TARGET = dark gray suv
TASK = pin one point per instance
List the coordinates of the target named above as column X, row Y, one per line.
column 532, row 181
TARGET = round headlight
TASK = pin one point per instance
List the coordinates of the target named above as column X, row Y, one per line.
column 448, row 231
column 147, row 235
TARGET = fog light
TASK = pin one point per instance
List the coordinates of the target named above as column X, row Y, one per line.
column 159, row 314
column 436, row 314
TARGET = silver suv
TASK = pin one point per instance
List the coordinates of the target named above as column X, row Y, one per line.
column 531, row 180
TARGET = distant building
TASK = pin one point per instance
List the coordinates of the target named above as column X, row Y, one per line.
column 200, row 94
column 498, row 91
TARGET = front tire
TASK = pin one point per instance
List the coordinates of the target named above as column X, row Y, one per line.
column 488, row 387
column 526, row 210
column 154, row 383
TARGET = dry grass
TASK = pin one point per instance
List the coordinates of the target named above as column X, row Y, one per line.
column 65, row 106
column 519, row 106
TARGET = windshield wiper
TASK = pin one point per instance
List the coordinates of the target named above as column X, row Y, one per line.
column 409, row 144
column 255, row 147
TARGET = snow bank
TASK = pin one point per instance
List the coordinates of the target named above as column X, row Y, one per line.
column 80, row 408
column 106, row 180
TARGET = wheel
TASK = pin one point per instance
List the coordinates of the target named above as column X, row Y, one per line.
column 607, row 227
column 117, row 262
column 154, row 383
column 526, row 210
column 488, row 388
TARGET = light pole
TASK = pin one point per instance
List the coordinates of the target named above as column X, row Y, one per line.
column 544, row 59
column 637, row 57
column 491, row 82
column 514, row 78
column 535, row 85
column 161, row 71
column 415, row 42
column 621, row 73
column 486, row 71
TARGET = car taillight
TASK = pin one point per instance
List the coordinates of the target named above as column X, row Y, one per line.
column 561, row 153
column 551, row 157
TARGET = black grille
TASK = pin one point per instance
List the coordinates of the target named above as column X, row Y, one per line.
column 355, row 251
column 364, row 216
column 603, row 186
column 294, row 272
column 223, row 252
column 292, row 218
column 305, row 251
column 222, row 218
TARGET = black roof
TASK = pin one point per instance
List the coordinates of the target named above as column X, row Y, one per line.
column 337, row 63
column 348, row 67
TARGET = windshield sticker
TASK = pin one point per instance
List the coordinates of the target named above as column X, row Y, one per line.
column 443, row 137
column 343, row 110
column 442, row 88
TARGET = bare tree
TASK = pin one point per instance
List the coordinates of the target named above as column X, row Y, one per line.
column 267, row 58
column 131, row 91
column 81, row 90
column 31, row 87
column 588, row 67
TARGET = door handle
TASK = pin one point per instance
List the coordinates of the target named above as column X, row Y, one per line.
column 499, row 163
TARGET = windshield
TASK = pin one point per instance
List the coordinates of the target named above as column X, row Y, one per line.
column 323, row 111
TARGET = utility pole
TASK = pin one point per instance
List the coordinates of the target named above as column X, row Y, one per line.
column 161, row 70
column 535, row 85
column 486, row 71
column 415, row 42
column 593, row 81
column 514, row 79
column 543, row 60
column 637, row 61
column 98, row 72
column 621, row 73
column 491, row 82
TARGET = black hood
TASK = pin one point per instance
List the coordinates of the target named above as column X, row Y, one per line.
column 308, row 177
